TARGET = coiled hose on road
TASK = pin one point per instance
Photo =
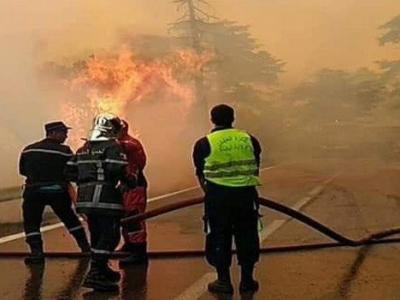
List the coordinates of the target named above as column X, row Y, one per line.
column 375, row 238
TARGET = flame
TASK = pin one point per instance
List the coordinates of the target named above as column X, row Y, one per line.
column 112, row 82
column 193, row 61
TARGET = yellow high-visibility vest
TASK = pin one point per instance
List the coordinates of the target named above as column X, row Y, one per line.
column 232, row 161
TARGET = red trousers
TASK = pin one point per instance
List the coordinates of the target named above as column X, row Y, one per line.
column 134, row 202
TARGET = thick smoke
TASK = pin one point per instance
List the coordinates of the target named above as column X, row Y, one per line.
column 309, row 35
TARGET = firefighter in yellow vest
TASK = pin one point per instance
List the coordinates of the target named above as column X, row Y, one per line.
column 227, row 165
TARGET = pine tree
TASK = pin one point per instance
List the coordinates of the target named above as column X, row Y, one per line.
column 241, row 71
column 192, row 21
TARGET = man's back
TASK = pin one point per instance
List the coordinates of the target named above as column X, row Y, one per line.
column 97, row 167
column 227, row 164
column 43, row 162
column 202, row 150
column 102, row 162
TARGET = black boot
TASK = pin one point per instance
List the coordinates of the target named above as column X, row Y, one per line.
column 137, row 256
column 114, row 276
column 247, row 283
column 223, row 284
column 81, row 240
column 98, row 280
column 84, row 246
column 125, row 248
column 36, row 257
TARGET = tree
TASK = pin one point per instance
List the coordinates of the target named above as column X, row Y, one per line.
column 392, row 34
column 390, row 69
column 239, row 59
column 192, row 17
column 241, row 71
column 333, row 96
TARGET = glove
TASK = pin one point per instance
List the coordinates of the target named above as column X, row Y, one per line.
column 203, row 184
column 131, row 181
column 123, row 188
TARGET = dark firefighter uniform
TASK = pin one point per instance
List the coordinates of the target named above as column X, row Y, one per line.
column 43, row 165
column 98, row 167
column 134, row 200
column 227, row 163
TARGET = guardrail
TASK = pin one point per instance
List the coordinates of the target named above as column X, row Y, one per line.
column 11, row 193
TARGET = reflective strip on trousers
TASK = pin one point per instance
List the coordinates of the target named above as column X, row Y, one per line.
column 75, row 228
column 32, row 234
column 98, row 251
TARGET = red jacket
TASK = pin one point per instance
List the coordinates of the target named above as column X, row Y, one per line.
column 134, row 200
column 136, row 157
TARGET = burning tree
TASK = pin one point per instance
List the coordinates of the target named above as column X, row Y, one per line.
column 225, row 63
column 193, row 17
column 118, row 82
column 242, row 72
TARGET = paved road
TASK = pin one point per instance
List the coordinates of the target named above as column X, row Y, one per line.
column 354, row 198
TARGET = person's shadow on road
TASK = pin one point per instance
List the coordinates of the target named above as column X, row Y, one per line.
column 246, row 296
column 134, row 282
column 34, row 283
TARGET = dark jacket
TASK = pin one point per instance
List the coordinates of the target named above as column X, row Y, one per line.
column 97, row 168
column 43, row 163
column 202, row 150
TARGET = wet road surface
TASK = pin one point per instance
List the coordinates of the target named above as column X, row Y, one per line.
column 353, row 198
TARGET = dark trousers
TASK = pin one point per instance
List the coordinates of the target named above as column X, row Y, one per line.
column 35, row 201
column 104, row 236
column 231, row 212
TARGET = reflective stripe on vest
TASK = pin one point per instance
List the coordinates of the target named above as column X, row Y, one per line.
column 231, row 161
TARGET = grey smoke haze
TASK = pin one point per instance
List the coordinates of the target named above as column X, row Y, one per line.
column 307, row 34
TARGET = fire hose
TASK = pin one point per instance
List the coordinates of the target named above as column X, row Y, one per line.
column 340, row 240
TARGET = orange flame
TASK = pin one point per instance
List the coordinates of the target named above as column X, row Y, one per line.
column 111, row 83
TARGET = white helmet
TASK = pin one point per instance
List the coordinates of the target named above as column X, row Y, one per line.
column 105, row 127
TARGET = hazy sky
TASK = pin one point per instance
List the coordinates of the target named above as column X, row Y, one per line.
column 307, row 34
column 310, row 34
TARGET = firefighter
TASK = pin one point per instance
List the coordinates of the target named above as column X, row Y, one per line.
column 134, row 200
column 43, row 163
column 227, row 166
column 98, row 167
